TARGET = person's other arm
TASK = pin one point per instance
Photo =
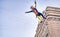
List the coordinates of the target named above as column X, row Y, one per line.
column 34, row 4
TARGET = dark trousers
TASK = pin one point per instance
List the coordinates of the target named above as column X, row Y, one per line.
column 40, row 14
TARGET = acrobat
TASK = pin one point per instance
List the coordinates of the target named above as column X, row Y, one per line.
column 35, row 11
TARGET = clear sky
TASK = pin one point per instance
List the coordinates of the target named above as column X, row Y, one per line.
column 13, row 20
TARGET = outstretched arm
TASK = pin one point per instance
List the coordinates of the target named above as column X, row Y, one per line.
column 28, row 12
column 35, row 3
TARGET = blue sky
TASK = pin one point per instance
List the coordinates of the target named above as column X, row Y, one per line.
column 15, row 23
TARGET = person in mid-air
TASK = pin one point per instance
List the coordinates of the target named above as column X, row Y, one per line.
column 35, row 11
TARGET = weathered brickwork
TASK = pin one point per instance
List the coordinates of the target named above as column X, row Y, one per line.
column 49, row 27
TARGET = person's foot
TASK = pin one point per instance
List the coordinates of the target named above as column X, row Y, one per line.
column 44, row 17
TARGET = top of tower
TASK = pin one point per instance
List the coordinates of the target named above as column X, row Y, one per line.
column 53, row 9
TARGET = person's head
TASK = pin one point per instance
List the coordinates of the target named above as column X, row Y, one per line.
column 32, row 7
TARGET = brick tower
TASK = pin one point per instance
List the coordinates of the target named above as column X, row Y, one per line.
column 49, row 27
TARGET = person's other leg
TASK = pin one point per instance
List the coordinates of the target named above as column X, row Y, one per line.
column 39, row 18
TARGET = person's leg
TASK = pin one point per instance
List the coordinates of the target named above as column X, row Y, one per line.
column 39, row 18
column 42, row 15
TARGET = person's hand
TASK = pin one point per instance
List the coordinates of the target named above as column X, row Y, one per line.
column 26, row 12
